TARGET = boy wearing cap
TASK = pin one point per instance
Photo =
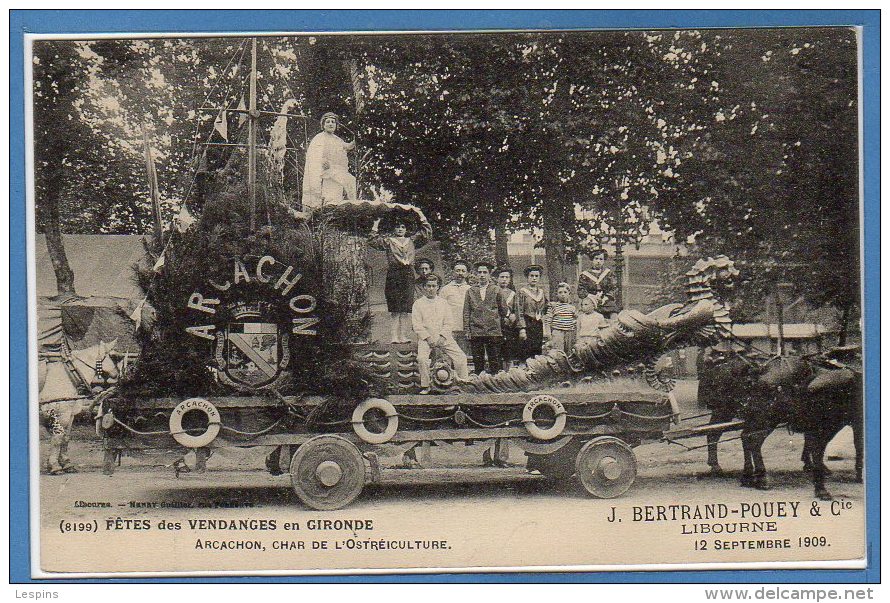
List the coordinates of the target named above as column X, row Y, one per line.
column 424, row 268
column 482, row 320
column 533, row 302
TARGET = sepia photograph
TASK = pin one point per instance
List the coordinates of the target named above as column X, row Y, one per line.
column 526, row 300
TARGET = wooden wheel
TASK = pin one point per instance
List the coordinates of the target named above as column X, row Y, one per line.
column 606, row 467
column 327, row 472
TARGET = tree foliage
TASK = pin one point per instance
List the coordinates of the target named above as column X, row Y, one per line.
column 742, row 139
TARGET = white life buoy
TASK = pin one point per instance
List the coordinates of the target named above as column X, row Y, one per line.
column 559, row 423
column 213, row 423
column 392, row 421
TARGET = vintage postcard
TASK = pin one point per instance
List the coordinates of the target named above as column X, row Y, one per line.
column 465, row 301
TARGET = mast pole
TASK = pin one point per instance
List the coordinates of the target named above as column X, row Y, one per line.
column 152, row 177
column 251, row 136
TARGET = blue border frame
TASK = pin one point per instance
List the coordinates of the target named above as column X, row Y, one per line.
column 135, row 21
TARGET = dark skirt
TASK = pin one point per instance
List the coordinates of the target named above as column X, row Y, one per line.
column 534, row 331
column 399, row 288
column 513, row 348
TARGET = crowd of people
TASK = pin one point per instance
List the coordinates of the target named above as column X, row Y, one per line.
column 480, row 315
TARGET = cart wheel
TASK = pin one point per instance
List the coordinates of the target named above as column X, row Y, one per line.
column 327, row 472
column 606, row 467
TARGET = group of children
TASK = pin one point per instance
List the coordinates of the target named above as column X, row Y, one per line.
column 493, row 322
column 488, row 319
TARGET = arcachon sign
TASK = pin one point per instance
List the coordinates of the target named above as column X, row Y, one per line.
column 251, row 317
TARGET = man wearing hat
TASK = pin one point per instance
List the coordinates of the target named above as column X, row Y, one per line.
column 424, row 267
column 326, row 177
column 482, row 320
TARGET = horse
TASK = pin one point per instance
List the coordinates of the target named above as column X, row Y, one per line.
column 816, row 396
column 71, row 381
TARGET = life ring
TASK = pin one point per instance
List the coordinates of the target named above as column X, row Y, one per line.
column 195, row 441
column 371, row 437
column 559, row 423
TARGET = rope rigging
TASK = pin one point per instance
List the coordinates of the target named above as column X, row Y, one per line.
column 232, row 85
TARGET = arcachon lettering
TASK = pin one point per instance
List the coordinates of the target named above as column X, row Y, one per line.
column 268, row 270
column 229, row 545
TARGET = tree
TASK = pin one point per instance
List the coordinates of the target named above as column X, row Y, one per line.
column 57, row 132
column 585, row 136
column 766, row 170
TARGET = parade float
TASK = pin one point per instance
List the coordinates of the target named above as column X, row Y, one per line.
column 258, row 336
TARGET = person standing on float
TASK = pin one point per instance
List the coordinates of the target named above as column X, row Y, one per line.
column 326, row 177
column 482, row 321
column 512, row 321
column 424, row 268
column 599, row 284
column 455, row 293
column 400, row 252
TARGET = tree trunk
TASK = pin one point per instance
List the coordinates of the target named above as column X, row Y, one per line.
column 620, row 261
column 554, row 245
column 501, row 256
column 53, row 233
column 845, row 325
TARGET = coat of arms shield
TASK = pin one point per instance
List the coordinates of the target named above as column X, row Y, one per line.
column 252, row 354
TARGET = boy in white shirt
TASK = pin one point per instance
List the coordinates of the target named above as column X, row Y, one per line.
column 431, row 317
column 455, row 293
